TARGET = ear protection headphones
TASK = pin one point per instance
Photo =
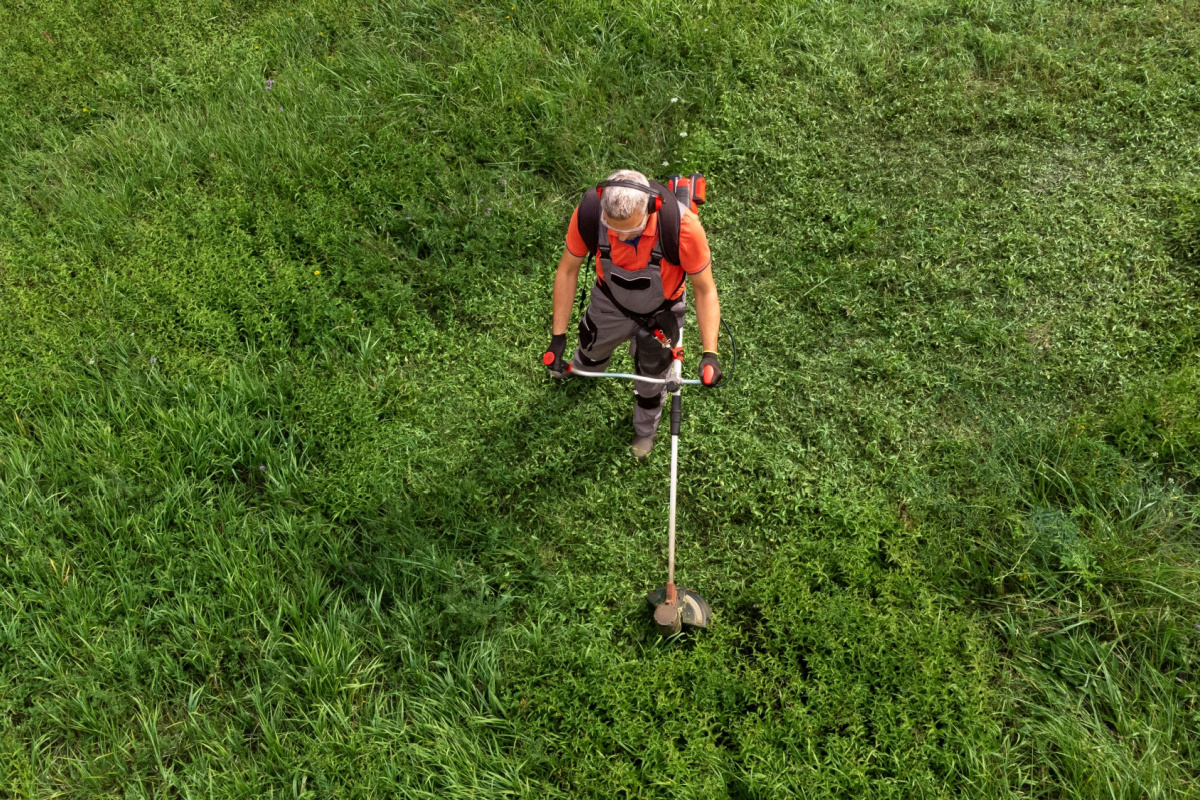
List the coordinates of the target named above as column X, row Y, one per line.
column 653, row 203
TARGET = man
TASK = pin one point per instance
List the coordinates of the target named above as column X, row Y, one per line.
column 639, row 290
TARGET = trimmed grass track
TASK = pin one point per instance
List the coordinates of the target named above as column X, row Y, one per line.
column 289, row 508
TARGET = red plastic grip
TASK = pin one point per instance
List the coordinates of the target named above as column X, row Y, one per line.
column 708, row 374
column 548, row 359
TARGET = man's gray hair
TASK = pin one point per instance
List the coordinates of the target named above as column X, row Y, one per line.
column 620, row 202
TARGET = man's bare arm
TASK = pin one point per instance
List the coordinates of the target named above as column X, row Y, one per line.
column 566, row 279
column 708, row 308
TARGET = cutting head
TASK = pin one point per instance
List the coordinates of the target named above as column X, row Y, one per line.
column 684, row 608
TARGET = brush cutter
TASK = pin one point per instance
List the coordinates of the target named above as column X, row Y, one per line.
column 674, row 606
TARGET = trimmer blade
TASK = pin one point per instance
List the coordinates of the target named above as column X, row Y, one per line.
column 690, row 609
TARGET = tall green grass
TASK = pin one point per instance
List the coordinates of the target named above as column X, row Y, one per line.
column 289, row 508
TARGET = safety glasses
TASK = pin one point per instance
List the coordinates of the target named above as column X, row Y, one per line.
column 608, row 224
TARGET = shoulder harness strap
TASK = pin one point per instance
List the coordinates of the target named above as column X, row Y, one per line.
column 670, row 218
column 589, row 219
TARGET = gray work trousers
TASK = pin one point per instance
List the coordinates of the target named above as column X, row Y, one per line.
column 602, row 328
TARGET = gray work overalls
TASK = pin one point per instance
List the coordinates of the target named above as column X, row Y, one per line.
column 604, row 326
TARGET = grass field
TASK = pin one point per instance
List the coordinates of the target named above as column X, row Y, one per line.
column 288, row 507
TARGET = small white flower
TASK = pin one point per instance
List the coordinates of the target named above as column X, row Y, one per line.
column 666, row 164
column 674, row 99
column 683, row 133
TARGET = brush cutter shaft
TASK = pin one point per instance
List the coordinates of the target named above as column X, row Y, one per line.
column 676, row 418
column 671, row 529
column 630, row 377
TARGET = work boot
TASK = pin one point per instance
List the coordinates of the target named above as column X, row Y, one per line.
column 641, row 447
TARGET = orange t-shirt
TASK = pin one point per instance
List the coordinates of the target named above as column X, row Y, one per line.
column 693, row 250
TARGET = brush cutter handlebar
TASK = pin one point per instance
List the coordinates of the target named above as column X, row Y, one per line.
column 630, row 377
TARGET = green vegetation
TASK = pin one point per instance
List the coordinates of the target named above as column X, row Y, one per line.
column 288, row 507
